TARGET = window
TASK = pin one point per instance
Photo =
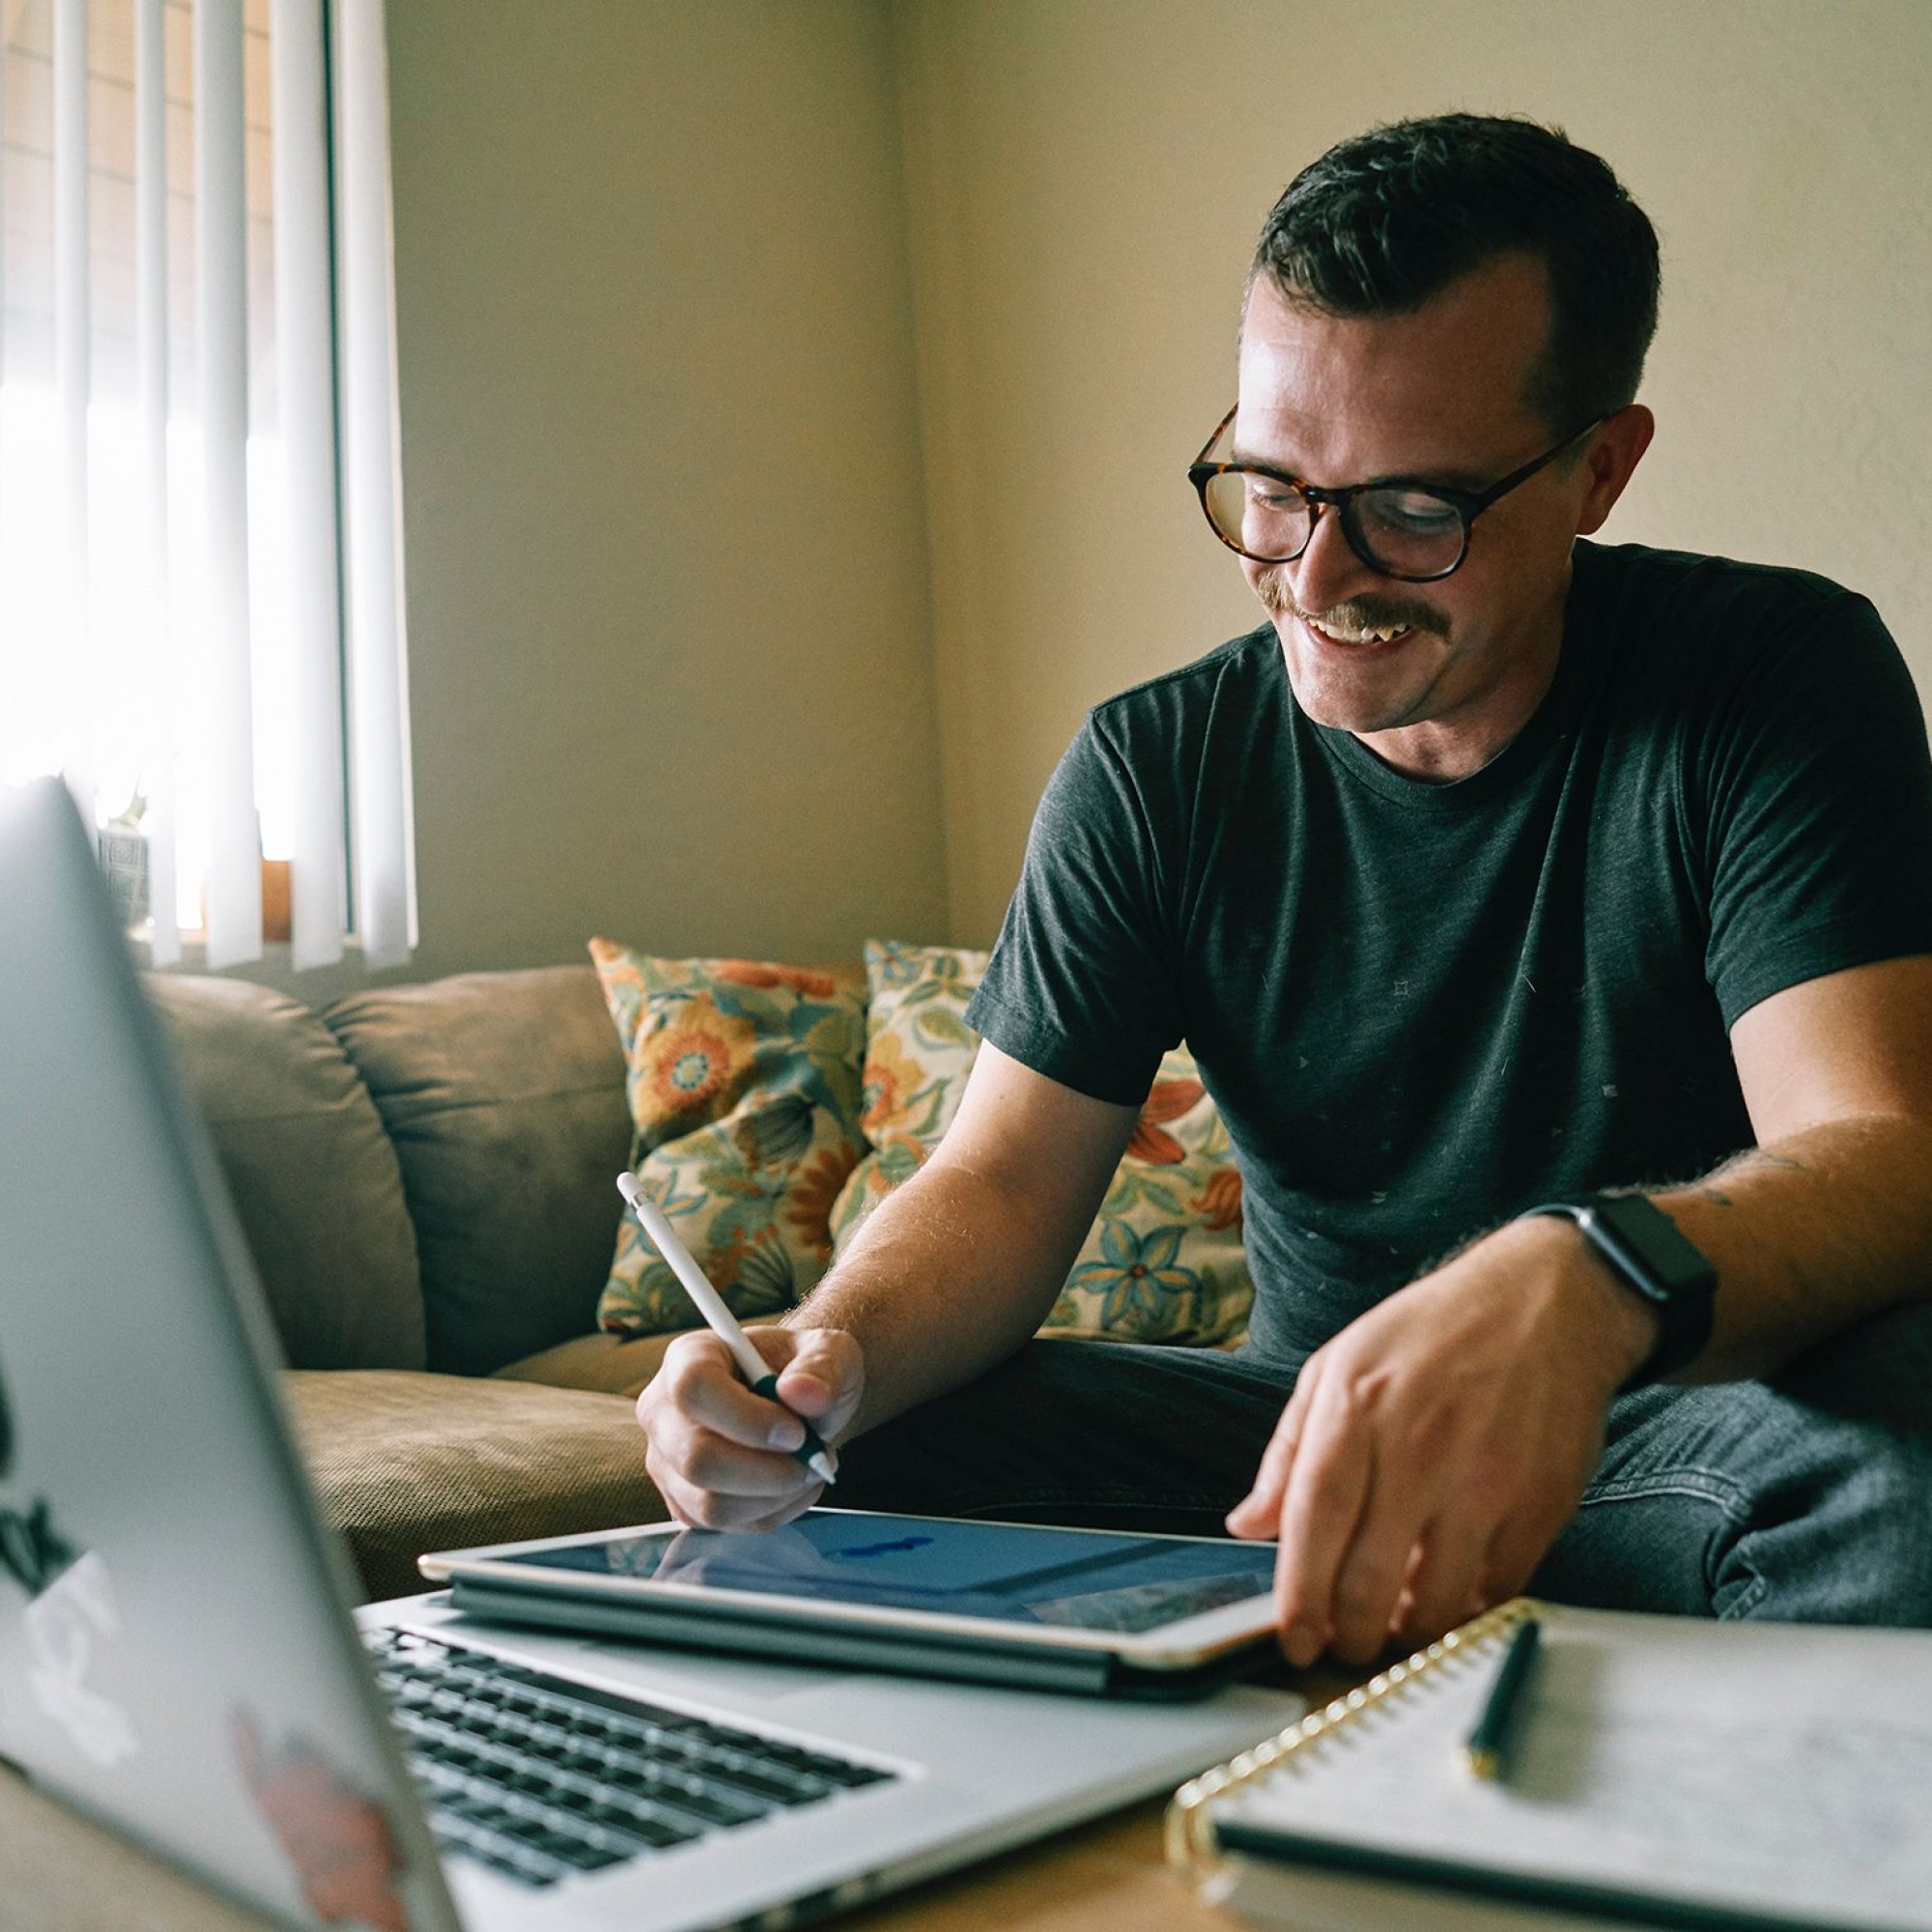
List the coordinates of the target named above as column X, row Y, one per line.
column 200, row 560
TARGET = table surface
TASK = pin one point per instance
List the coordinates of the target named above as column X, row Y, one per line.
column 59, row 1872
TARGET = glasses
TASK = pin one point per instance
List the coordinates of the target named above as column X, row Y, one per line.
column 1413, row 531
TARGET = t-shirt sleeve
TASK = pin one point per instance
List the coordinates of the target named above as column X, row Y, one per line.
column 1817, row 794
column 1080, row 986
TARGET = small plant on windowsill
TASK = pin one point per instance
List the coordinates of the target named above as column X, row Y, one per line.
column 123, row 858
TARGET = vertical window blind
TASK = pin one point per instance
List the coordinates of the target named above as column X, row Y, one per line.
column 201, row 582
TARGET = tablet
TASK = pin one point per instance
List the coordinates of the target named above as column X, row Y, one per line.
column 1011, row 1602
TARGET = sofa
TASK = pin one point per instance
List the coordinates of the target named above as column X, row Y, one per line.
column 424, row 1177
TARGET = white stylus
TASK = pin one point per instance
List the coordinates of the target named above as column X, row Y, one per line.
column 812, row 1452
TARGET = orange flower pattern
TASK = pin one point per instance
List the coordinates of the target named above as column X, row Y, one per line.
column 1166, row 1101
column 815, row 1188
column 744, row 1086
column 800, row 978
column 1163, row 1262
column 693, row 1065
column 892, row 1078
column 1219, row 1203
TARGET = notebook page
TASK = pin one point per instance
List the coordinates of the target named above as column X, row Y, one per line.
column 1779, row 1769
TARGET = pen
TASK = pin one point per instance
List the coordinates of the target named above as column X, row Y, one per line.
column 752, row 1365
column 1483, row 1756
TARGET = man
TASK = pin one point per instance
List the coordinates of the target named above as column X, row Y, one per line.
column 1500, row 869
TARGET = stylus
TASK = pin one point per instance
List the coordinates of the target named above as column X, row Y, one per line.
column 752, row 1365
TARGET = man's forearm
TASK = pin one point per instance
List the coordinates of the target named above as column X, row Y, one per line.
column 1808, row 1235
column 935, row 1288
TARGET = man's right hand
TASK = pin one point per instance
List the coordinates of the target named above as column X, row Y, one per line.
column 721, row 1456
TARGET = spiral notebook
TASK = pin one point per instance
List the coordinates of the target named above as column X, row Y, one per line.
column 1665, row 1771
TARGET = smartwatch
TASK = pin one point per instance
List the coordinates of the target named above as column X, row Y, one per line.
column 1643, row 1248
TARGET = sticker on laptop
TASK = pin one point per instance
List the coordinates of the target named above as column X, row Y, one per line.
column 338, row 1841
column 70, row 1615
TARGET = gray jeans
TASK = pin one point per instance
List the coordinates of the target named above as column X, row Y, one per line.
column 1804, row 1499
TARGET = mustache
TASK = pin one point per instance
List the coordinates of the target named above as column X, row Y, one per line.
column 1359, row 613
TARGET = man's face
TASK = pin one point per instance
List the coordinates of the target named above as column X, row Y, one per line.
column 1438, row 395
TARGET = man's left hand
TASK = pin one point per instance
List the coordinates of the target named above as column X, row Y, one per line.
column 1432, row 1450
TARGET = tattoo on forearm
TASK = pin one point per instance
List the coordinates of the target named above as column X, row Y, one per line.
column 1750, row 1160
column 1765, row 1157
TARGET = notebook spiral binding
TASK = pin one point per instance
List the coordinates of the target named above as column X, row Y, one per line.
column 1190, row 1825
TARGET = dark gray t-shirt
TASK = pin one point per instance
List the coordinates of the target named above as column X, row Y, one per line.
column 1423, row 1008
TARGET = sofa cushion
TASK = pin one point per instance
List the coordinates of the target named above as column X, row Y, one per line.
column 615, row 1364
column 403, row 1464
column 503, row 1093
column 1164, row 1261
column 312, row 1173
column 744, row 1094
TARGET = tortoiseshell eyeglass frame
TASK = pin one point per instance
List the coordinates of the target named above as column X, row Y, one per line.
column 1469, row 504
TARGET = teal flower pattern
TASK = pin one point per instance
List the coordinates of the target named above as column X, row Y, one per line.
column 1136, row 1288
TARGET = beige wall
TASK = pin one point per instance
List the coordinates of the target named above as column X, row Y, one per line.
column 1086, row 183
column 668, row 589
column 658, row 256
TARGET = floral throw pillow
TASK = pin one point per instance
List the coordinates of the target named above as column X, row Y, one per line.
column 744, row 1087
column 1164, row 1260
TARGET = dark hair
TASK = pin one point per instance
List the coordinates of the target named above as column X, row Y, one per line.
column 1385, row 220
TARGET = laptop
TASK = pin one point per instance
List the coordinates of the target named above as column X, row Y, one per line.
column 178, row 1657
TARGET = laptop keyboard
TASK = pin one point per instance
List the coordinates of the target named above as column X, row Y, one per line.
column 541, row 1777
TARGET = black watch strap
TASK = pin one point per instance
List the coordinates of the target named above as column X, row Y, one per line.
column 1647, row 1251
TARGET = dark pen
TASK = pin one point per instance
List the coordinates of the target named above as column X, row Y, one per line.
column 1488, row 1748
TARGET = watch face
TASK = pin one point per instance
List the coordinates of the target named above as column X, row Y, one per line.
column 1647, row 1251
column 1648, row 1245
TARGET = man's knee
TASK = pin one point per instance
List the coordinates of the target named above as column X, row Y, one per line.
column 1876, row 1518
column 1878, row 1370
column 1807, row 1497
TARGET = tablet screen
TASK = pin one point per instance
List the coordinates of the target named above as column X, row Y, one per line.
column 1001, row 1572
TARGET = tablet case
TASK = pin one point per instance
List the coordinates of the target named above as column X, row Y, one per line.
column 973, row 1659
